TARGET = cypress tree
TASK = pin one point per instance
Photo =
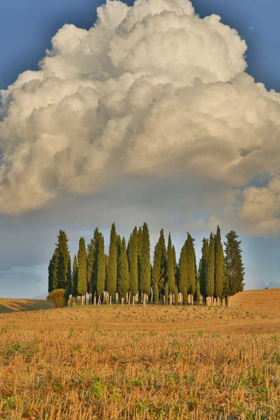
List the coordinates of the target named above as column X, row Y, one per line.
column 233, row 263
column 123, row 278
column 191, row 265
column 53, row 282
column 159, row 267
column 210, row 269
column 119, row 247
column 101, row 269
column 145, row 265
column 82, row 269
column 184, row 274
column 69, row 286
column 75, row 277
column 139, row 242
column 63, row 261
column 170, row 269
column 112, row 264
column 90, row 264
column 133, row 264
column 166, row 293
column 95, row 243
column 197, row 292
column 203, row 267
column 219, row 265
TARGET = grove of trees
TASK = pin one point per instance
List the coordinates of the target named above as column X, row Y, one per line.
column 126, row 272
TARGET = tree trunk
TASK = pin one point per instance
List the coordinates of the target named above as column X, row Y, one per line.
column 110, row 300
column 144, row 299
column 170, row 299
column 133, row 299
column 129, row 297
column 98, row 302
column 122, row 300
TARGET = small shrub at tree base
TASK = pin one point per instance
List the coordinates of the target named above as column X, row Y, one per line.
column 57, row 297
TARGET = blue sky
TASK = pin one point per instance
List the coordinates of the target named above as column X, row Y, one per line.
column 26, row 29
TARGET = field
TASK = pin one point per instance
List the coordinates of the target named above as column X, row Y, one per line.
column 143, row 363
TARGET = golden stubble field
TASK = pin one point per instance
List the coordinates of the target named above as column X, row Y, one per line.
column 142, row 363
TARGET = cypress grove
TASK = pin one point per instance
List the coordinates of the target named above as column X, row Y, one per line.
column 129, row 270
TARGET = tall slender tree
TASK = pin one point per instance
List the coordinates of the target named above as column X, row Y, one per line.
column 63, row 261
column 90, row 264
column 159, row 267
column 184, row 274
column 97, row 237
column 75, row 277
column 82, row 269
column 233, row 263
column 145, row 265
column 219, row 265
column 112, row 264
column 123, row 278
column 101, row 269
column 170, row 269
column 191, row 266
column 203, row 267
column 210, row 288
column 53, row 281
column 133, row 264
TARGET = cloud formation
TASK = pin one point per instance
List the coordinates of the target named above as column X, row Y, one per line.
column 150, row 91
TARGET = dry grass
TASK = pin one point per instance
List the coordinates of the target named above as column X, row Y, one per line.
column 140, row 363
column 138, row 375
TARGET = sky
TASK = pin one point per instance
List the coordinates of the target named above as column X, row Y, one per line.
column 176, row 128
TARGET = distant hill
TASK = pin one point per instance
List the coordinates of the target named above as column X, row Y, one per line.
column 15, row 305
column 267, row 301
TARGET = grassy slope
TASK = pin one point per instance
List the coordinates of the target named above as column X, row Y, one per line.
column 12, row 305
column 267, row 301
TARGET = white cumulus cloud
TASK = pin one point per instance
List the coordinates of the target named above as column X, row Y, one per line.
column 150, row 90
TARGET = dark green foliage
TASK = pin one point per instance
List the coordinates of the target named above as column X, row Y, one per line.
column 69, row 286
column 75, row 277
column 184, row 274
column 176, row 296
column 233, row 263
column 82, row 268
column 53, row 271
column 155, row 291
column 219, row 265
column 123, row 278
column 210, row 268
column 197, row 292
column 160, row 265
column 203, row 266
column 101, row 269
column 191, row 264
column 90, row 264
column 166, row 293
column 133, row 263
column 63, row 261
column 97, row 237
column 170, row 267
column 145, row 265
column 112, row 264
column 57, row 297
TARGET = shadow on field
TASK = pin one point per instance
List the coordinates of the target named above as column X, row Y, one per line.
column 14, row 305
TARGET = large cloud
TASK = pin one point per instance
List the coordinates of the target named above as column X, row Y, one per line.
column 149, row 91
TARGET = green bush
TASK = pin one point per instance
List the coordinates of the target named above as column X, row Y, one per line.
column 57, row 297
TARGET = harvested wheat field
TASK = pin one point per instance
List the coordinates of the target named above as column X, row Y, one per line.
column 140, row 363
